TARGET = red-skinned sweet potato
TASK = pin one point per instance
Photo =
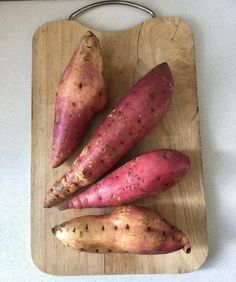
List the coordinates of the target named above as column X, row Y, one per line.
column 131, row 229
column 79, row 96
column 139, row 178
column 136, row 114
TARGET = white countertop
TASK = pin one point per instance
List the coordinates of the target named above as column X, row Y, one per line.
column 214, row 28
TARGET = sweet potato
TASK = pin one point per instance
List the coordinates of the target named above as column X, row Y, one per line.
column 79, row 96
column 139, row 178
column 131, row 229
column 136, row 114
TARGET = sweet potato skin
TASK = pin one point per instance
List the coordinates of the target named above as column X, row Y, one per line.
column 130, row 229
column 136, row 114
column 80, row 95
column 139, row 178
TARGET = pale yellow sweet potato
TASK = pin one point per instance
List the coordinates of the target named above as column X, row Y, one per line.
column 129, row 229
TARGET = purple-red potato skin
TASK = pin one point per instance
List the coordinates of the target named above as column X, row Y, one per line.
column 139, row 111
column 139, row 178
column 130, row 229
column 80, row 95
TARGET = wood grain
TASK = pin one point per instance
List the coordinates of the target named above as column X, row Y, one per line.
column 128, row 55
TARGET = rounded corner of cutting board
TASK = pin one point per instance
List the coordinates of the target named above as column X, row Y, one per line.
column 49, row 24
column 36, row 263
column 204, row 260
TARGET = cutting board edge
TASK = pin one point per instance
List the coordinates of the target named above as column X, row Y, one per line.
column 45, row 25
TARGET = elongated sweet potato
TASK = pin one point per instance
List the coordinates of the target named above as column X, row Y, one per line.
column 79, row 96
column 135, row 115
column 139, row 178
column 130, row 229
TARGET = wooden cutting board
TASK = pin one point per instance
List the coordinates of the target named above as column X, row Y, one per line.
column 128, row 55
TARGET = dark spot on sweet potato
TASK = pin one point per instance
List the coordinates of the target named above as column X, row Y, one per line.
column 73, row 104
column 172, row 227
column 70, row 115
column 119, row 112
column 127, row 226
column 188, row 250
column 109, row 250
column 115, row 227
column 148, row 229
column 81, row 249
column 97, row 251
column 163, row 233
column 74, row 229
column 122, row 142
column 139, row 120
column 152, row 110
column 152, row 95
column 56, row 94
column 86, row 227
column 102, row 161
column 100, row 93
column 54, row 230
column 51, row 189
column 68, row 245
column 81, row 234
column 80, row 85
column 103, row 228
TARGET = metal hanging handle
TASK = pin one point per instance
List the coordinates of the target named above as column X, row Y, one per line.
column 118, row 2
